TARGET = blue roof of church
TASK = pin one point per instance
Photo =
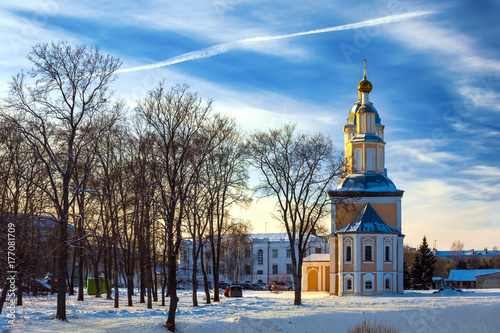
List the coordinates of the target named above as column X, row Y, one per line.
column 368, row 221
column 352, row 114
column 367, row 182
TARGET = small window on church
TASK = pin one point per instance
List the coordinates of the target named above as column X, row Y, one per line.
column 387, row 253
column 348, row 253
column 349, row 284
column 370, row 159
column 387, row 284
column 368, row 253
column 368, row 285
column 358, row 160
column 380, row 159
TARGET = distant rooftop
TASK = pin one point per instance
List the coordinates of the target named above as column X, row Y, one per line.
column 276, row 237
column 467, row 253
column 318, row 257
column 468, row 275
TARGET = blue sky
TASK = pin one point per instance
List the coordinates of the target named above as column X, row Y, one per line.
column 434, row 66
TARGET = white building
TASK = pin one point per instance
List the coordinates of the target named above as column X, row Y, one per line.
column 272, row 256
column 265, row 258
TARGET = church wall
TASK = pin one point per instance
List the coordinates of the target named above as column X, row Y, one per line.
column 347, row 213
column 388, row 212
column 388, row 267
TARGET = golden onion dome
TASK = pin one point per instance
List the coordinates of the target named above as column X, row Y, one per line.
column 365, row 86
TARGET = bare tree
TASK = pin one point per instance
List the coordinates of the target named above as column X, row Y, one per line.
column 226, row 177
column 186, row 133
column 297, row 169
column 58, row 116
column 457, row 248
column 235, row 244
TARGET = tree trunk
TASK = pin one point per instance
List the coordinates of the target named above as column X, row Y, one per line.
column 172, row 284
column 3, row 296
column 194, row 276
column 63, row 265
column 115, row 276
column 107, row 264
column 80, row 276
column 130, row 287
column 96, row 280
column 155, row 275
column 205, row 277
column 53, row 281
column 71, row 282
column 19, row 290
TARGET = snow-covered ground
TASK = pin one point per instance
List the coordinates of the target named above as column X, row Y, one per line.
column 448, row 311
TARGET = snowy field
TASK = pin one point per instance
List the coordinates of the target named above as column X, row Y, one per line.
column 263, row 311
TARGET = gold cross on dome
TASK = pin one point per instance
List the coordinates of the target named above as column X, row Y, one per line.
column 364, row 67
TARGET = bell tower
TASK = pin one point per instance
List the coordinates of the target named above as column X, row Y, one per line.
column 366, row 243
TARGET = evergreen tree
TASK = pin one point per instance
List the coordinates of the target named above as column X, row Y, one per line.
column 407, row 279
column 423, row 266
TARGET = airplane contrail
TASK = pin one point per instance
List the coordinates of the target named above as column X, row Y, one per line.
column 225, row 47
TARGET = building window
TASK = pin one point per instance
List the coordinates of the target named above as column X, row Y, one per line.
column 222, row 271
column 368, row 253
column 318, row 250
column 370, row 159
column 275, row 253
column 380, row 159
column 275, row 269
column 358, row 160
column 349, row 284
column 248, row 269
column 288, row 253
column 289, row 269
column 260, row 272
column 368, row 285
column 348, row 253
column 260, row 257
column 387, row 284
column 209, row 270
column 387, row 253
column 247, row 254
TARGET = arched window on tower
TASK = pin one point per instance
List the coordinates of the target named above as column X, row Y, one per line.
column 358, row 160
column 370, row 159
column 380, row 159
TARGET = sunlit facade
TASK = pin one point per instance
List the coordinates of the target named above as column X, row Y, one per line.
column 366, row 243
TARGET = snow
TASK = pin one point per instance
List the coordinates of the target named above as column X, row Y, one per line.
column 414, row 311
column 315, row 257
column 469, row 275
column 275, row 237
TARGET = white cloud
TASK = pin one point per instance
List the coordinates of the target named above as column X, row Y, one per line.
column 484, row 97
column 486, row 171
column 411, row 158
column 458, row 57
